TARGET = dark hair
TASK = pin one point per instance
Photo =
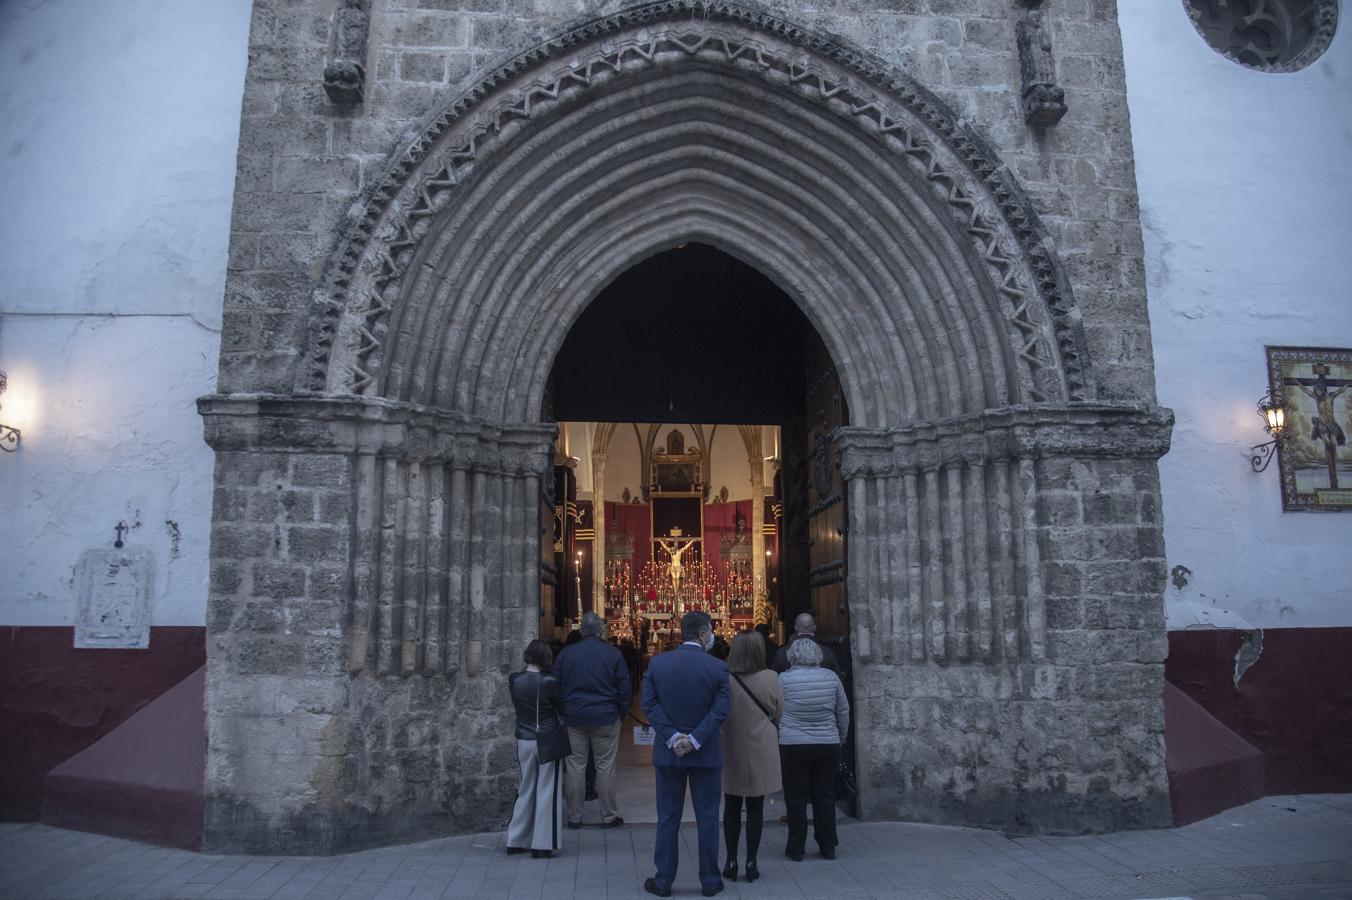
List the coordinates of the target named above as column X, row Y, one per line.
column 747, row 655
column 764, row 630
column 573, row 637
column 693, row 622
column 537, row 653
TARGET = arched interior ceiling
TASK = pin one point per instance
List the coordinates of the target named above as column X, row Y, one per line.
column 498, row 227
column 687, row 335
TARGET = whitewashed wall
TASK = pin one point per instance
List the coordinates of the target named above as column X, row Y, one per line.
column 118, row 131
column 119, row 124
column 1245, row 201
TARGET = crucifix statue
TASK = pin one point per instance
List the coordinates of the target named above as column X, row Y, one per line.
column 1324, row 425
column 676, row 570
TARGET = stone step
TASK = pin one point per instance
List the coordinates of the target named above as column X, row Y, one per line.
column 1211, row 769
column 143, row 780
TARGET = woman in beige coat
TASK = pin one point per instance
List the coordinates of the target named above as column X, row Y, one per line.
column 750, row 748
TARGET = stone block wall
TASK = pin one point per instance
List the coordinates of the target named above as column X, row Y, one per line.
column 1068, row 744
column 304, row 160
column 341, row 524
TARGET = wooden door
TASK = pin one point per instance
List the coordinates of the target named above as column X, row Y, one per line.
column 827, row 520
column 550, row 524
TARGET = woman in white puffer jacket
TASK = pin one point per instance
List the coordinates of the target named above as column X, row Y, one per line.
column 815, row 722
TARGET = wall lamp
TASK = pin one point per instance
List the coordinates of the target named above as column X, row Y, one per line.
column 9, row 437
column 1274, row 423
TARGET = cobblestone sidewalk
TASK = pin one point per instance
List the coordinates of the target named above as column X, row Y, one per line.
column 1279, row 847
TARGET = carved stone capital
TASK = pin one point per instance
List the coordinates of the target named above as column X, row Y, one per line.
column 1084, row 430
column 275, row 423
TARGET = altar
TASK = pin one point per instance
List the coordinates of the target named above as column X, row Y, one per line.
column 683, row 562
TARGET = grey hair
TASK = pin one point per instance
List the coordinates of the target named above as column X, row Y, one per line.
column 592, row 625
column 805, row 652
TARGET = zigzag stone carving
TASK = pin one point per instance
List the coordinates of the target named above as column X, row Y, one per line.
column 363, row 280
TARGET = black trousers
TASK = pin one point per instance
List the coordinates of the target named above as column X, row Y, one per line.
column 810, row 776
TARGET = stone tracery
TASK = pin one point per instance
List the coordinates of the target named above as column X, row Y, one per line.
column 369, row 275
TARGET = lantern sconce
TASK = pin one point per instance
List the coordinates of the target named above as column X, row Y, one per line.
column 9, row 437
column 1274, row 423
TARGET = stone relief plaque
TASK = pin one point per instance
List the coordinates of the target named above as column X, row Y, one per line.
column 113, row 590
column 1314, row 384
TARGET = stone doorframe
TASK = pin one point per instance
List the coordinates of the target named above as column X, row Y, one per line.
column 1005, row 558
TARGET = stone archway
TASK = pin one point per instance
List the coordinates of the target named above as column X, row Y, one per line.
column 976, row 437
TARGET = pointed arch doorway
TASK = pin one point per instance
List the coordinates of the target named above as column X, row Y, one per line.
column 1000, row 515
column 693, row 335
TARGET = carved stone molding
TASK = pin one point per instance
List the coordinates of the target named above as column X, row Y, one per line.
column 1044, row 101
column 1031, row 432
column 1268, row 35
column 345, row 75
column 373, row 426
column 350, row 342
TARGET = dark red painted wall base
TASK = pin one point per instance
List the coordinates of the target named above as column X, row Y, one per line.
column 1211, row 769
column 144, row 779
column 1294, row 703
column 55, row 700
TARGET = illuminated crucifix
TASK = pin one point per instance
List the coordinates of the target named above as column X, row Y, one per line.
column 1324, row 425
column 668, row 544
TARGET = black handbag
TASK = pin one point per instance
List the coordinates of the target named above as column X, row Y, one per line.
column 550, row 745
column 846, row 787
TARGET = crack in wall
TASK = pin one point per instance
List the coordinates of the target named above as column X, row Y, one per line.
column 1250, row 648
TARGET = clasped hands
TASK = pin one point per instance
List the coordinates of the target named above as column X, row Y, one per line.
column 682, row 745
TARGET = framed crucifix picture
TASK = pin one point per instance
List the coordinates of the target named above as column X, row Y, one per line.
column 1314, row 385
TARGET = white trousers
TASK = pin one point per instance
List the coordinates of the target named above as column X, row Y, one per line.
column 537, row 818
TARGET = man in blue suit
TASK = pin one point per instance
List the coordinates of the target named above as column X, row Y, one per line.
column 685, row 697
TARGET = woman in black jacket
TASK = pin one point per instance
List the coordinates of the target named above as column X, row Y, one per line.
column 537, row 819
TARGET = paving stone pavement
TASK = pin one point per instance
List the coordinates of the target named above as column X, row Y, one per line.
column 1279, row 848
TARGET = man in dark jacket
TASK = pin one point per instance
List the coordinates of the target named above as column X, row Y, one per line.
column 685, row 696
column 596, row 696
column 805, row 627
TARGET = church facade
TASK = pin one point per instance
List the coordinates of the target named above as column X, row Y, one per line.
column 429, row 195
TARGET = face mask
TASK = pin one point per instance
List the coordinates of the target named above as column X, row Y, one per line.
column 709, row 644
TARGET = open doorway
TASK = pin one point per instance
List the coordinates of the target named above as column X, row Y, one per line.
column 694, row 469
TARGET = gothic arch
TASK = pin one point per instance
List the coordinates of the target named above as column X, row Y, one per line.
column 904, row 240
column 1003, row 522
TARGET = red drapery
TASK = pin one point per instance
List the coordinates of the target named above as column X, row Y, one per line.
column 720, row 521
column 631, row 518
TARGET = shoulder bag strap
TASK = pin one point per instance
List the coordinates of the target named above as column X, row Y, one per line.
column 539, row 684
column 754, row 698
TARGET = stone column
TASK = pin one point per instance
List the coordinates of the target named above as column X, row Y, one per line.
column 375, row 574
column 599, row 544
column 1005, row 581
column 756, row 463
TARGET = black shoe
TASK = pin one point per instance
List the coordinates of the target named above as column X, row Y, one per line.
column 730, row 870
column 752, row 872
column 574, row 826
column 828, row 853
column 717, row 890
column 651, row 887
column 541, row 854
column 796, row 857
column 613, row 823
column 511, row 851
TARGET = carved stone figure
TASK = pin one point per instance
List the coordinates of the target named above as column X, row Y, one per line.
column 345, row 76
column 1044, row 102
